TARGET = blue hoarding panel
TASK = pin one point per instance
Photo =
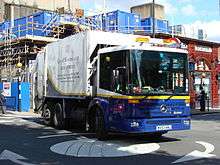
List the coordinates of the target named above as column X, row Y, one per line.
column 118, row 21
column 14, row 94
column 25, row 97
column 161, row 26
column 12, row 102
column 30, row 25
column 41, row 20
column 127, row 22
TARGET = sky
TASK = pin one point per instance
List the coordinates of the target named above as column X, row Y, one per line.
column 192, row 14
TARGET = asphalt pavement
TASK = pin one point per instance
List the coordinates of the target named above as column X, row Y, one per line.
column 25, row 140
column 207, row 111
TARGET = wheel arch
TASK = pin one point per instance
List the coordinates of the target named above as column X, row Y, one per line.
column 101, row 105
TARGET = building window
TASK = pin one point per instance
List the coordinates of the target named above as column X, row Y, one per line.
column 201, row 66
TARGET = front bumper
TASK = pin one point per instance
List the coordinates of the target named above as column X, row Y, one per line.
column 151, row 125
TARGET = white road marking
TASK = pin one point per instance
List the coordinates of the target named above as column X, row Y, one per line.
column 140, row 148
column 19, row 115
column 85, row 147
column 6, row 117
column 57, row 135
column 209, row 148
column 60, row 134
column 8, row 155
column 6, row 121
column 63, row 131
column 16, row 118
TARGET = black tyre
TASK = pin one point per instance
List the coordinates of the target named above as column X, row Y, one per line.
column 100, row 130
column 47, row 115
column 58, row 119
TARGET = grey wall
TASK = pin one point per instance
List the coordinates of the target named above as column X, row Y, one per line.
column 146, row 10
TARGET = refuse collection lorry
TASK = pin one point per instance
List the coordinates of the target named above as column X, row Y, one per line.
column 113, row 82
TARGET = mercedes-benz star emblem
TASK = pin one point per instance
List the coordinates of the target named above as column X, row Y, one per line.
column 163, row 108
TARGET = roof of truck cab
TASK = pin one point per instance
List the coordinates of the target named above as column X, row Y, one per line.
column 149, row 48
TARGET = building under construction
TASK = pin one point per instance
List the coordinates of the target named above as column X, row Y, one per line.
column 26, row 28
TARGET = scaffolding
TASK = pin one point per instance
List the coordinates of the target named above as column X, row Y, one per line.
column 21, row 43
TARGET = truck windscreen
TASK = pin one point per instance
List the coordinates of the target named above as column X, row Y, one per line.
column 142, row 72
column 158, row 72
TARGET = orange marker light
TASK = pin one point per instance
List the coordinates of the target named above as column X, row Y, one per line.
column 133, row 101
column 143, row 39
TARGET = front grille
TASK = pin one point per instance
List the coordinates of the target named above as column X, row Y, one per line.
column 164, row 122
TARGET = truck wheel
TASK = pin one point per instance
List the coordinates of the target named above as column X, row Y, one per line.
column 58, row 120
column 100, row 130
column 47, row 115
